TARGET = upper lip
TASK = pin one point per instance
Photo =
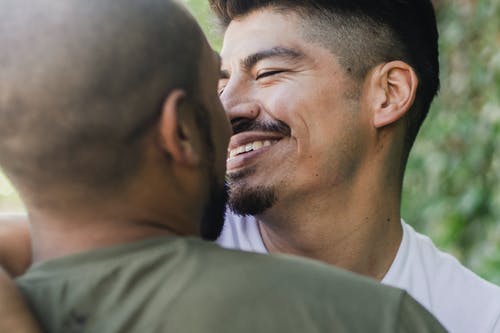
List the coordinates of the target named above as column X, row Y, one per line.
column 249, row 137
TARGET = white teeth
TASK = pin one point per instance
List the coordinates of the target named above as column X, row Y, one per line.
column 256, row 145
column 240, row 150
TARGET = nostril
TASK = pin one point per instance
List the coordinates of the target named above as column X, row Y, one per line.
column 236, row 121
column 239, row 124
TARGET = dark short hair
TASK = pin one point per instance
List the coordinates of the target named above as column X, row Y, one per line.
column 82, row 81
column 365, row 33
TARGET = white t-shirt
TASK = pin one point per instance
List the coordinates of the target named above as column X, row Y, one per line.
column 460, row 299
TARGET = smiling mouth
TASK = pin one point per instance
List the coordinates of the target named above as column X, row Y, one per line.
column 250, row 147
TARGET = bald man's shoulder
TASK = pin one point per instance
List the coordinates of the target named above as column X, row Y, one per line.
column 175, row 284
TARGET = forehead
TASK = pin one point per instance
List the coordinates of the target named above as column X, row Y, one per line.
column 261, row 29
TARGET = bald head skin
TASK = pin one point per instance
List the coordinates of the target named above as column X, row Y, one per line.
column 82, row 81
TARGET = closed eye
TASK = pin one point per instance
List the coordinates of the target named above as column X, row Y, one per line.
column 269, row 73
column 221, row 85
column 220, row 90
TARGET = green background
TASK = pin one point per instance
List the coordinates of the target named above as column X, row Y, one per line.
column 451, row 190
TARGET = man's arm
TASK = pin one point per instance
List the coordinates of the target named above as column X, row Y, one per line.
column 15, row 243
column 14, row 314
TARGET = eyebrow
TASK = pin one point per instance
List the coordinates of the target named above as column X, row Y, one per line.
column 276, row 52
column 224, row 74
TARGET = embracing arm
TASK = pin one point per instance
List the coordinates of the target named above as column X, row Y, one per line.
column 14, row 314
column 15, row 243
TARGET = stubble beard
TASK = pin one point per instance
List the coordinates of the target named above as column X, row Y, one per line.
column 245, row 199
column 212, row 221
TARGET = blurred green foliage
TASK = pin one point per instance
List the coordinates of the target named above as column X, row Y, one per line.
column 451, row 190
column 452, row 183
column 9, row 201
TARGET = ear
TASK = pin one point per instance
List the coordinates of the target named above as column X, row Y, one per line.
column 178, row 131
column 394, row 86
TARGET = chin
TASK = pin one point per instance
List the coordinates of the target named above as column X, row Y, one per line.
column 244, row 200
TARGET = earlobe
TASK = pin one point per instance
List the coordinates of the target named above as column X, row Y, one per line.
column 395, row 85
column 176, row 129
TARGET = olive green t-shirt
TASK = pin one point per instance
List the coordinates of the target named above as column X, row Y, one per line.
column 184, row 285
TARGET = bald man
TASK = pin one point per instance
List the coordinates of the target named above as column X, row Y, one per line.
column 112, row 131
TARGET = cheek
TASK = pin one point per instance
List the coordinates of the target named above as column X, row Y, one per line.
column 290, row 107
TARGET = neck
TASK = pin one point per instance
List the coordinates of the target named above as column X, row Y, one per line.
column 54, row 237
column 360, row 232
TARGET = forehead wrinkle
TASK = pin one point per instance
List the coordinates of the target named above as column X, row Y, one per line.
column 274, row 52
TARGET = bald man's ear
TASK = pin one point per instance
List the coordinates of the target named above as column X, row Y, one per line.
column 393, row 88
column 178, row 132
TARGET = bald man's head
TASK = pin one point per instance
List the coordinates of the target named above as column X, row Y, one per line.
column 82, row 80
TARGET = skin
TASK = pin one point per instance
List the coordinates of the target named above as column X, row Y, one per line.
column 15, row 244
column 14, row 316
column 338, row 184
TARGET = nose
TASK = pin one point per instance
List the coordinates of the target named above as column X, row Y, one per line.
column 242, row 110
column 239, row 100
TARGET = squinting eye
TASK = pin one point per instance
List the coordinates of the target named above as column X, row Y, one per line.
column 266, row 74
column 221, row 85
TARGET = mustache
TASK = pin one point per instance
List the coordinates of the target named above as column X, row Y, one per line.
column 245, row 125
